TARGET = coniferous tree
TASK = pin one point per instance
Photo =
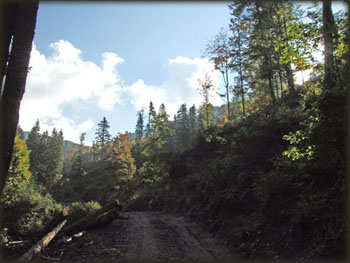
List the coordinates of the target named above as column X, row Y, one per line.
column 174, row 124
column 103, row 137
column 46, row 156
column 51, row 160
column 20, row 132
column 330, row 78
column 138, row 138
column 183, row 127
column 77, row 167
column 262, row 50
column 151, row 119
column 34, row 146
column 192, row 118
column 162, row 130
column 239, row 26
column 139, row 127
column 44, row 176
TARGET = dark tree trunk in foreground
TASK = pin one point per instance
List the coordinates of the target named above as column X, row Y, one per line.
column 15, row 80
column 290, row 79
column 7, row 18
column 328, row 28
column 271, row 89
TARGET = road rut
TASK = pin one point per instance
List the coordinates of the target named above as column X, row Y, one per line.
column 144, row 236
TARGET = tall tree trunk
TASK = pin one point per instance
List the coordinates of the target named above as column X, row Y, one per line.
column 227, row 94
column 328, row 26
column 16, row 74
column 281, row 82
column 287, row 66
column 8, row 16
column 266, row 55
column 290, row 78
column 240, row 72
column 276, row 87
column 242, row 88
column 272, row 92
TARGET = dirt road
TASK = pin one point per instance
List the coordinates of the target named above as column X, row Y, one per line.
column 142, row 236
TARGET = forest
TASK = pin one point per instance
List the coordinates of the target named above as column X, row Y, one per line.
column 266, row 171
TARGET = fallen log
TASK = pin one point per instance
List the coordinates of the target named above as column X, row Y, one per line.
column 42, row 243
column 55, row 221
column 97, row 221
column 16, row 242
column 87, row 220
column 100, row 220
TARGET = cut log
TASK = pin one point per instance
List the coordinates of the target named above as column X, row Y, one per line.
column 16, row 242
column 93, row 222
column 100, row 220
column 82, row 223
column 55, row 221
column 42, row 243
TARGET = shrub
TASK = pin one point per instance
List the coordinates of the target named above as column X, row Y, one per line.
column 78, row 210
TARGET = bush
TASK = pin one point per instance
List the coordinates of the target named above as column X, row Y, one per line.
column 29, row 215
column 78, row 210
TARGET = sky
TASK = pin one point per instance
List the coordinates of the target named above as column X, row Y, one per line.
column 93, row 60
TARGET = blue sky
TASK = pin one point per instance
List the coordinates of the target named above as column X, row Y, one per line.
column 153, row 52
column 91, row 60
column 139, row 32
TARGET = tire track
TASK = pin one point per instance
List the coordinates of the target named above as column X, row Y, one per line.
column 154, row 235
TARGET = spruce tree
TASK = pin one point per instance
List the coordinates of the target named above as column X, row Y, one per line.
column 192, row 118
column 239, row 26
column 151, row 119
column 103, row 137
column 183, row 127
column 161, row 127
column 34, row 146
column 54, row 154
column 77, row 167
column 139, row 127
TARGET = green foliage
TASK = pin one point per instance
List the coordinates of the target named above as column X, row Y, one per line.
column 28, row 215
column 25, row 204
column 272, row 182
column 151, row 118
column 139, row 126
column 19, row 175
column 236, row 179
column 205, row 116
column 298, row 149
column 46, row 156
column 206, row 109
column 103, row 136
column 78, row 210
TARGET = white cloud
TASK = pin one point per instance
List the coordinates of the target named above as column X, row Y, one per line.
column 71, row 131
column 181, row 86
column 65, row 78
column 141, row 94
